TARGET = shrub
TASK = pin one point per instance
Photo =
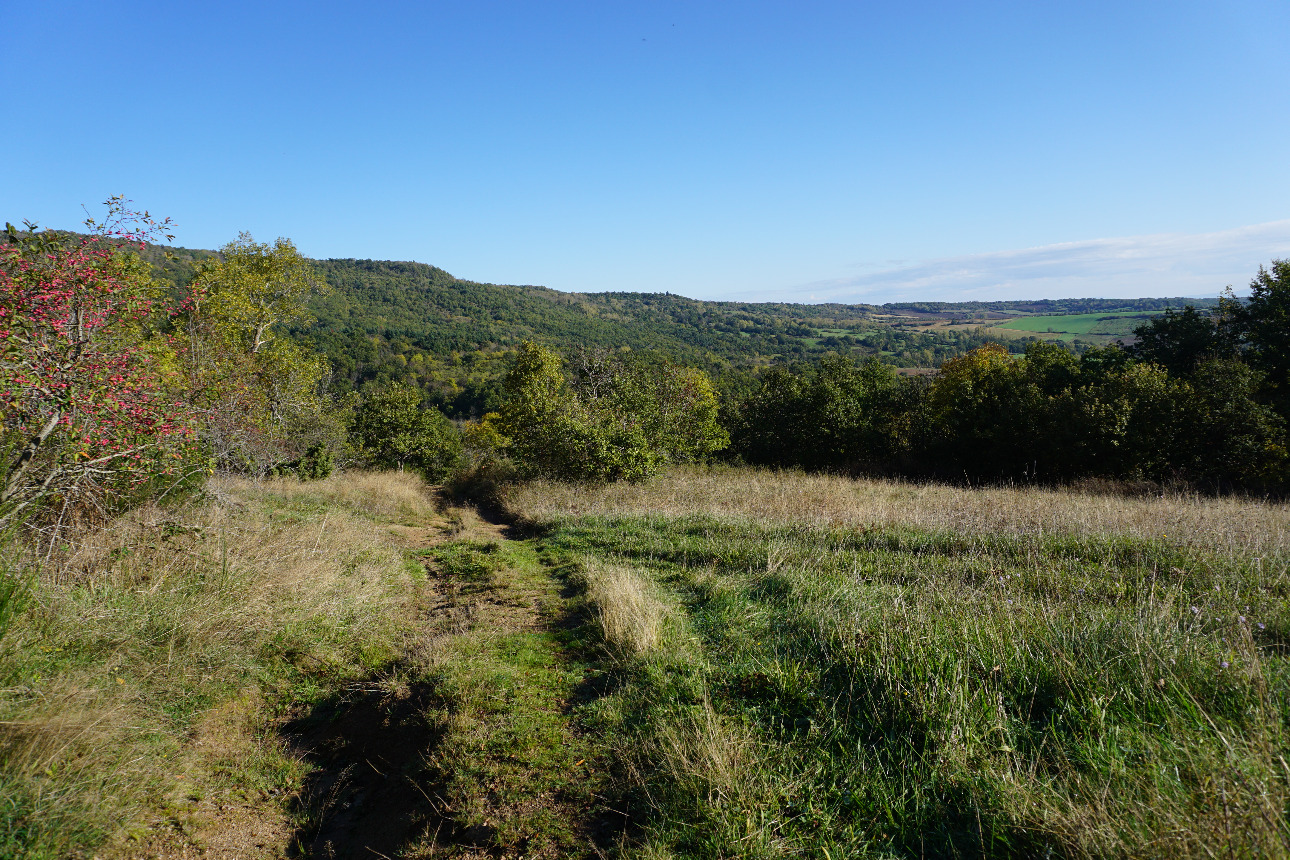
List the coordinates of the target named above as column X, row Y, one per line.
column 617, row 419
column 89, row 395
column 394, row 431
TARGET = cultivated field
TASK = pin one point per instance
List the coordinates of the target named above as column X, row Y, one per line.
column 1119, row 323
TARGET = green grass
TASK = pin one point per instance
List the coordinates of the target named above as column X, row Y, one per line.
column 659, row 686
column 516, row 773
column 899, row 692
column 1112, row 323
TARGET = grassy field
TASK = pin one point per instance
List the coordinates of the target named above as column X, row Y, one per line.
column 809, row 666
column 143, row 685
column 718, row 663
column 341, row 668
column 1115, row 323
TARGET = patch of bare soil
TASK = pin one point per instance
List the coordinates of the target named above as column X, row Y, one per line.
column 232, row 824
column 369, row 791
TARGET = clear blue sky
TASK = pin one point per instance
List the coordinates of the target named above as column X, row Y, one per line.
column 860, row 151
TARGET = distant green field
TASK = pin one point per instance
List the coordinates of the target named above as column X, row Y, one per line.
column 1114, row 323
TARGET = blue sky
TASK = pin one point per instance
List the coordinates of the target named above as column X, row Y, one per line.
column 763, row 150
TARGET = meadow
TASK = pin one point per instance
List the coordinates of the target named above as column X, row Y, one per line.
column 151, row 664
column 718, row 662
column 813, row 666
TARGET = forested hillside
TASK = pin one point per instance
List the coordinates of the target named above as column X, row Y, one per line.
column 383, row 322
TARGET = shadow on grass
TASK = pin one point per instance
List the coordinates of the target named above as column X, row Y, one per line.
column 370, row 794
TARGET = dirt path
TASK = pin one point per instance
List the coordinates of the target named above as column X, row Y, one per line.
column 420, row 762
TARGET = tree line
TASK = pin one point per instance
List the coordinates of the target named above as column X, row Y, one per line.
column 1202, row 396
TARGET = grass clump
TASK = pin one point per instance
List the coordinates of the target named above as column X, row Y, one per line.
column 629, row 615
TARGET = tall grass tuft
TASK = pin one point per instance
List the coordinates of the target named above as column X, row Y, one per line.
column 630, row 616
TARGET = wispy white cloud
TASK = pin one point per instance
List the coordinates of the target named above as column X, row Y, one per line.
column 1166, row 264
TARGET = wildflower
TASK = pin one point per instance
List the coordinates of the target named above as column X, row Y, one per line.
column 1261, row 625
column 1195, row 610
column 1224, row 664
column 1240, row 619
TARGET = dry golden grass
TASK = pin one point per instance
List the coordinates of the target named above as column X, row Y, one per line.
column 393, row 496
column 1225, row 525
column 302, row 561
column 167, row 604
column 631, row 617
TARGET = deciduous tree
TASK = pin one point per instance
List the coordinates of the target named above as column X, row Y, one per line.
column 395, row 431
column 264, row 396
column 617, row 421
column 89, row 401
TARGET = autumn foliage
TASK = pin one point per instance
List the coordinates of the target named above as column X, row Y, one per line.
column 113, row 388
column 91, row 415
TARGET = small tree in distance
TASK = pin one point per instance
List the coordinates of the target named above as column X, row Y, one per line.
column 394, row 431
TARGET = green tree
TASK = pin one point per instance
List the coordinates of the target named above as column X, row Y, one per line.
column 1231, row 437
column 264, row 395
column 836, row 414
column 1179, row 342
column 256, row 289
column 682, row 414
column 1124, row 421
column 616, row 421
column 1264, row 323
column 394, row 431
column 984, row 411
